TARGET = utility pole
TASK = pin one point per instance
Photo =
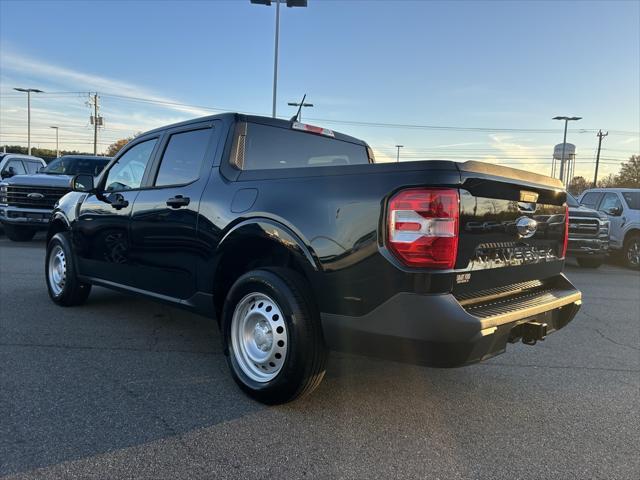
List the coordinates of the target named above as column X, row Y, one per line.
column 600, row 136
column 398, row 156
column 96, row 121
column 95, row 124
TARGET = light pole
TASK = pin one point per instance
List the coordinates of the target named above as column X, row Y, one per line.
column 290, row 3
column 398, row 157
column 57, row 147
column 300, row 105
column 28, row 92
column 564, row 142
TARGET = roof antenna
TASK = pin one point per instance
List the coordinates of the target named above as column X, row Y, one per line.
column 296, row 117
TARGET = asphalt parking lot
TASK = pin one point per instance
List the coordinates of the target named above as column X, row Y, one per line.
column 127, row 388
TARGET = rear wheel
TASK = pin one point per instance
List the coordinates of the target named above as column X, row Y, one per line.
column 60, row 272
column 631, row 251
column 590, row 262
column 273, row 336
column 18, row 233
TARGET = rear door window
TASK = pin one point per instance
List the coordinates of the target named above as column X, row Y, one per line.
column 182, row 159
column 267, row 147
column 632, row 199
column 591, row 199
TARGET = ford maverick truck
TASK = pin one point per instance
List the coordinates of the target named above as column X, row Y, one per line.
column 298, row 243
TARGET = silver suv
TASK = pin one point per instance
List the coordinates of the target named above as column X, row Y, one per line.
column 622, row 207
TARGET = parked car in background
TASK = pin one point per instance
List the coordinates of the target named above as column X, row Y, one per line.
column 26, row 200
column 297, row 242
column 12, row 164
column 622, row 207
column 588, row 234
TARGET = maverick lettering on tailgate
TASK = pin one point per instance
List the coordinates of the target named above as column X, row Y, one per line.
column 495, row 255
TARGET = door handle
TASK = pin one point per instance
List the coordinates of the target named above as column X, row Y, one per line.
column 118, row 202
column 178, row 201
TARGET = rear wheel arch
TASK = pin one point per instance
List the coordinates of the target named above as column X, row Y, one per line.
column 258, row 244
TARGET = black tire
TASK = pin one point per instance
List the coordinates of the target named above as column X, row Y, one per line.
column 18, row 233
column 73, row 291
column 305, row 359
column 590, row 262
column 630, row 251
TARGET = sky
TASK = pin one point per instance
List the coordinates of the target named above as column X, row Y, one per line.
column 389, row 72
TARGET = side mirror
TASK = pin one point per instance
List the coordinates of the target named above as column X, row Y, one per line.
column 41, row 169
column 82, row 183
column 8, row 173
column 614, row 211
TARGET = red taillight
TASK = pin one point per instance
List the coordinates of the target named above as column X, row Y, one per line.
column 565, row 242
column 423, row 227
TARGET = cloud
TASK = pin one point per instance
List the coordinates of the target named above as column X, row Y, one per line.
column 87, row 81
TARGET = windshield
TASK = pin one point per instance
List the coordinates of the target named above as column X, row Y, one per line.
column 75, row 165
column 571, row 201
column 632, row 199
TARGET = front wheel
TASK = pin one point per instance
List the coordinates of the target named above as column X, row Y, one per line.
column 590, row 262
column 276, row 351
column 19, row 233
column 60, row 272
column 631, row 251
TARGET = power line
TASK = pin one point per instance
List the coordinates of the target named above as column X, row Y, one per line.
column 357, row 122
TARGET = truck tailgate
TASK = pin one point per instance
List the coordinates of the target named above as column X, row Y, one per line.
column 512, row 226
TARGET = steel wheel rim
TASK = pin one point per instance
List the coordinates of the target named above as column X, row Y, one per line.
column 57, row 271
column 633, row 253
column 259, row 339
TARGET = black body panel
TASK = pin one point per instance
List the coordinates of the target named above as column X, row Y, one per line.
column 329, row 223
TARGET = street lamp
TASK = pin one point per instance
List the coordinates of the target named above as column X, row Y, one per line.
column 289, row 3
column 564, row 142
column 57, row 148
column 28, row 92
column 398, row 157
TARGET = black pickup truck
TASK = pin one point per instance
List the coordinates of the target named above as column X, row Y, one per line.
column 298, row 243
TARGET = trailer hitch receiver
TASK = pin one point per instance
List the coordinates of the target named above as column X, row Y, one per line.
column 528, row 332
column 531, row 332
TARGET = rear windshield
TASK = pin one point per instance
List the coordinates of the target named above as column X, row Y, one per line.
column 269, row 147
column 632, row 199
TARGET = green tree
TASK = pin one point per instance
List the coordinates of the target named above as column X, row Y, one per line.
column 629, row 175
column 609, row 181
column 116, row 146
column 577, row 185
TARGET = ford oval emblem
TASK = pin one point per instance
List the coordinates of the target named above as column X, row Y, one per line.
column 35, row 196
column 526, row 227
